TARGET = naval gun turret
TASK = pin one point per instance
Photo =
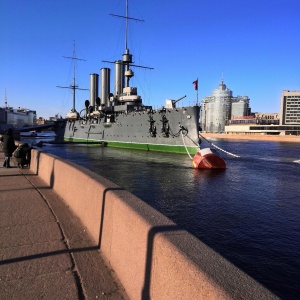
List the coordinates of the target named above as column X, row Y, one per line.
column 172, row 103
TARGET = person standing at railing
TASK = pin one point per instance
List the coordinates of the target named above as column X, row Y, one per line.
column 8, row 146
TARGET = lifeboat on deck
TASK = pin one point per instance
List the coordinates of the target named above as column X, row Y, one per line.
column 208, row 158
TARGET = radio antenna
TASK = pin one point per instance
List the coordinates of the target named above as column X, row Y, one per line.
column 127, row 18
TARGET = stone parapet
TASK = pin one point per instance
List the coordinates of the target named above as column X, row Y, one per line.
column 152, row 257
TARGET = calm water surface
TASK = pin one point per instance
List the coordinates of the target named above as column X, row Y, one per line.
column 249, row 213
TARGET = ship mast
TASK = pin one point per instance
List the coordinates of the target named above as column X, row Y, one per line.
column 73, row 86
column 126, row 37
column 127, row 57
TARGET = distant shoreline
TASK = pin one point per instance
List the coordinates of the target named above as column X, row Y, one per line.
column 252, row 137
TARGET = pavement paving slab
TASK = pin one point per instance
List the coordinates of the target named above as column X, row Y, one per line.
column 45, row 252
column 47, row 286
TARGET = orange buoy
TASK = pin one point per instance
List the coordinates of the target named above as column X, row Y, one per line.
column 208, row 158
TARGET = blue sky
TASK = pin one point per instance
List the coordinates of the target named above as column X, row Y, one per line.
column 255, row 44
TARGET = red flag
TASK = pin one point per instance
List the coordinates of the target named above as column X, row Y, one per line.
column 195, row 83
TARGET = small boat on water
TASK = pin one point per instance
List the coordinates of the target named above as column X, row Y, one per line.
column 28, row 134
column 34, row 134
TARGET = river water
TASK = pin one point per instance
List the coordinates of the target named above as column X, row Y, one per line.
column 249, row 213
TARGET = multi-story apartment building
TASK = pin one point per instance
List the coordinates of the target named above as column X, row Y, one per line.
column 290, row 108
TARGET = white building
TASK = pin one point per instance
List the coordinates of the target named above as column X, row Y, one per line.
column 217, row 110
column 17, row 117
column 240, row 107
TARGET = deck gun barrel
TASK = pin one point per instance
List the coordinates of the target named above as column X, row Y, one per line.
column 172, row 103
column 175, row 101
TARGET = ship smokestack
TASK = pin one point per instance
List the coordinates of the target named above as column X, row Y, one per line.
column 105, row 86
column 94, row 86
column 119, row 78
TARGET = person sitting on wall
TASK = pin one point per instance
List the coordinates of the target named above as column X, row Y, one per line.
column 23, row 155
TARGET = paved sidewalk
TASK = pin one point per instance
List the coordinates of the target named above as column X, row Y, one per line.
column 45, row 253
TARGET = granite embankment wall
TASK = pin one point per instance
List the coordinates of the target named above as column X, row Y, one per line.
column 152, row 256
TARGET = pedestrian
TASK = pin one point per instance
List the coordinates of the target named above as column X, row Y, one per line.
column 8, row 145
column 23, row 155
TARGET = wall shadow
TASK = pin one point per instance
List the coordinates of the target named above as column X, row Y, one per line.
column 37, row 162
column 52, row 174
column 11, row 175
column 149, row 256
column 103, row 212
column 46, row 254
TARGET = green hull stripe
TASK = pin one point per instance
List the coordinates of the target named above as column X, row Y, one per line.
column 147, row 147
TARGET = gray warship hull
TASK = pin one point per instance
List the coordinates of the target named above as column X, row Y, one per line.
column 167, row 130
